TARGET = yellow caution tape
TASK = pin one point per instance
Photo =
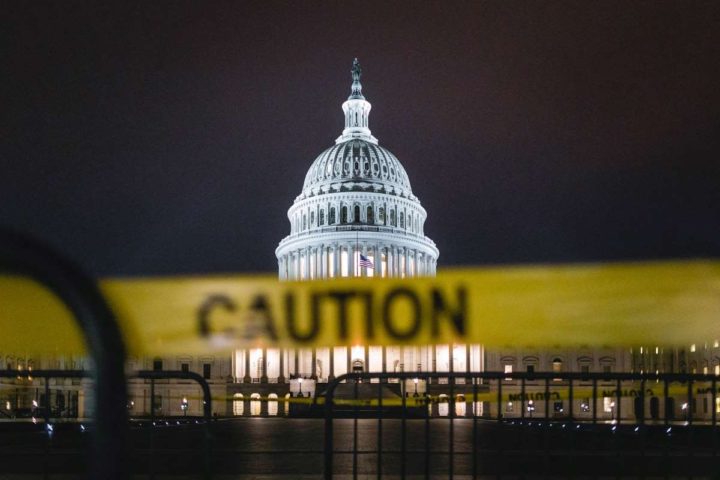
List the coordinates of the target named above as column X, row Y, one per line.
column 658, row 303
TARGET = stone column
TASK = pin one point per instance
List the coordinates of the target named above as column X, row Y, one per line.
column 246, row 378
column 468, row 369
column 351, row 260
column 384, row 363
column 407, row 262
column 376, row 262
column 336, row 258
column 323, row 262
column 391, row 261
column 313, row 360
column 348, row 351
column 281, row 378
column 433, row 362
column 318, row 262
column 307, row 263
column 263, row 377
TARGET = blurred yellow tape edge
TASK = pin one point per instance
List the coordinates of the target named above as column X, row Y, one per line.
column 613, row 304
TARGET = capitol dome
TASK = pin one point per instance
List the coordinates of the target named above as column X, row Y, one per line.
column 356, row 214
column 357, row 165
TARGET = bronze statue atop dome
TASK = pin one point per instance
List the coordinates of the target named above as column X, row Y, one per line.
column 356, row 86
column 356, row 70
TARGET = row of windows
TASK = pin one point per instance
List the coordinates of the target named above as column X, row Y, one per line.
column 184, row 367
column 531, row 364
column 347, row 215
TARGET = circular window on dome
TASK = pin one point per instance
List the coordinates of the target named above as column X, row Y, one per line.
column 375, row 168
column 392, row 171
column 384, row 170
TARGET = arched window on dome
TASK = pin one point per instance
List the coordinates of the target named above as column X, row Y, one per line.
column 370, row 215
column 381, row 215
column 410, row 222
column 304, row 224
column 344, row 215
column 356, row 214
column 392, row 218
column 312, row 218
column 402, row 220
column 322, row 216
column 332, row 216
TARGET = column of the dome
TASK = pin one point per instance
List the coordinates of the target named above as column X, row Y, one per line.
column 391, row 261
column 336, row 260
column 396, row 261
column 408, row 270
column 328, row 253
column 293, row 265
column 351, row 260
column 324, row 261
column 318, row 268
column 307, row 263
column 323, row 257
column 378, row 262
column 316, row 262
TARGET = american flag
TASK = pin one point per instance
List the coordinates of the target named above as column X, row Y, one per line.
column 366, row 262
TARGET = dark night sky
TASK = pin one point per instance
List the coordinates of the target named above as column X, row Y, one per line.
column 156, row 138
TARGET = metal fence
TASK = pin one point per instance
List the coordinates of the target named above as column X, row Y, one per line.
column 397, row 431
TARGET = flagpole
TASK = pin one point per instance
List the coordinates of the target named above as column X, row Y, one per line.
column 357, row 248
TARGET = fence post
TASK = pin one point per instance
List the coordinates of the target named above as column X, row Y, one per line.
column 24, row 256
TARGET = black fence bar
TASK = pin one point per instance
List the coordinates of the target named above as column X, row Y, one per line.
column 20, row 255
